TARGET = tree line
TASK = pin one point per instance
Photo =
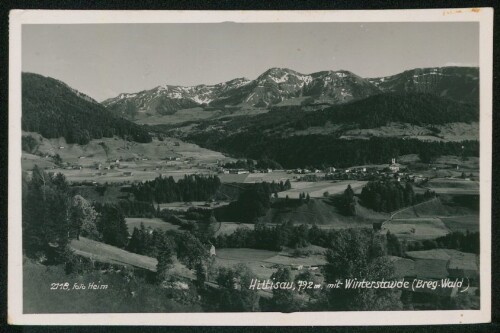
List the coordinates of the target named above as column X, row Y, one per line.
column 253, row 202
column 457, row 240
column 132, row 208
column 166, row 189
column 387, row 196
column 251, row 165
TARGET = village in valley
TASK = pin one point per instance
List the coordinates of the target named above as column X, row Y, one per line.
column 106, row 175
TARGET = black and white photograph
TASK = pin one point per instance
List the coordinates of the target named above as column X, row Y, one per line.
column 306, row 167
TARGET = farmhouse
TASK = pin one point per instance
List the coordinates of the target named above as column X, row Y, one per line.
column 127, row 173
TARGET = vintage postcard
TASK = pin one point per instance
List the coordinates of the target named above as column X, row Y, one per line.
column 250, row 167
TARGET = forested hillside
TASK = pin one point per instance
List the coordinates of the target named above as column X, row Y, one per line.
column 375, row 111
column 315, row 150
column 54, row 110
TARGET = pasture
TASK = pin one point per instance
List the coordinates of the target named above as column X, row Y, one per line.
column 110, row 254
column 154, row 223
column 453, row 186
column 275, row 176
column 227, row 228
column 439, row 263
column 263, row 262
column 184, row 206
column 137, row 161
column 254, row 259
column 462, row 223
column 417, row 228
column 317, row 189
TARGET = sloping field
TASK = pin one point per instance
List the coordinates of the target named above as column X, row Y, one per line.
column 436, row 208
column 429, row 208
column 463, row 264
column 462, row 223
column 144, row 160
column 317, row 189
column 436, row 254
column 154, row 223
column 287, row 260
column 227, row 228
column 275, row 176
column 417, row 228
column 252, row 258
column 263, row 262
column 244, row 254
column 110, row 254
column 367, row 213
column 453, row 186
column 451, row 160
column 403, row 267
column 233, row 178
column 320, row 212
column 184, row 206
column 28, row 161
column 439, row 263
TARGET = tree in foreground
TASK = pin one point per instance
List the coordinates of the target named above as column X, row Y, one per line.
column 285, row 300
column 190, row 250
column 45, row 217
column 83, row 219
column 356, row 254
column 165, row 263
column 233, row 293
column 112, row 226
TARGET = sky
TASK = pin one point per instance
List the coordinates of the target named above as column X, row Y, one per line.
column 104, row 60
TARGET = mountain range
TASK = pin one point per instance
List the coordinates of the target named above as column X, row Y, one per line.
column 282, row 87
column 420, row 111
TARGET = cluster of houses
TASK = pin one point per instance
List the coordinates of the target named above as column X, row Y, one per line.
column 241, row 171
column 392, row 170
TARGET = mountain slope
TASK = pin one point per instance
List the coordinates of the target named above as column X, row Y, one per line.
column 374, row 111
column 53, row 109
column 457, row 83
column 167, row 99
column 275, row 86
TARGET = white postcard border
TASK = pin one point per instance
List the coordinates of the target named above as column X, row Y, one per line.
column 15, row 292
